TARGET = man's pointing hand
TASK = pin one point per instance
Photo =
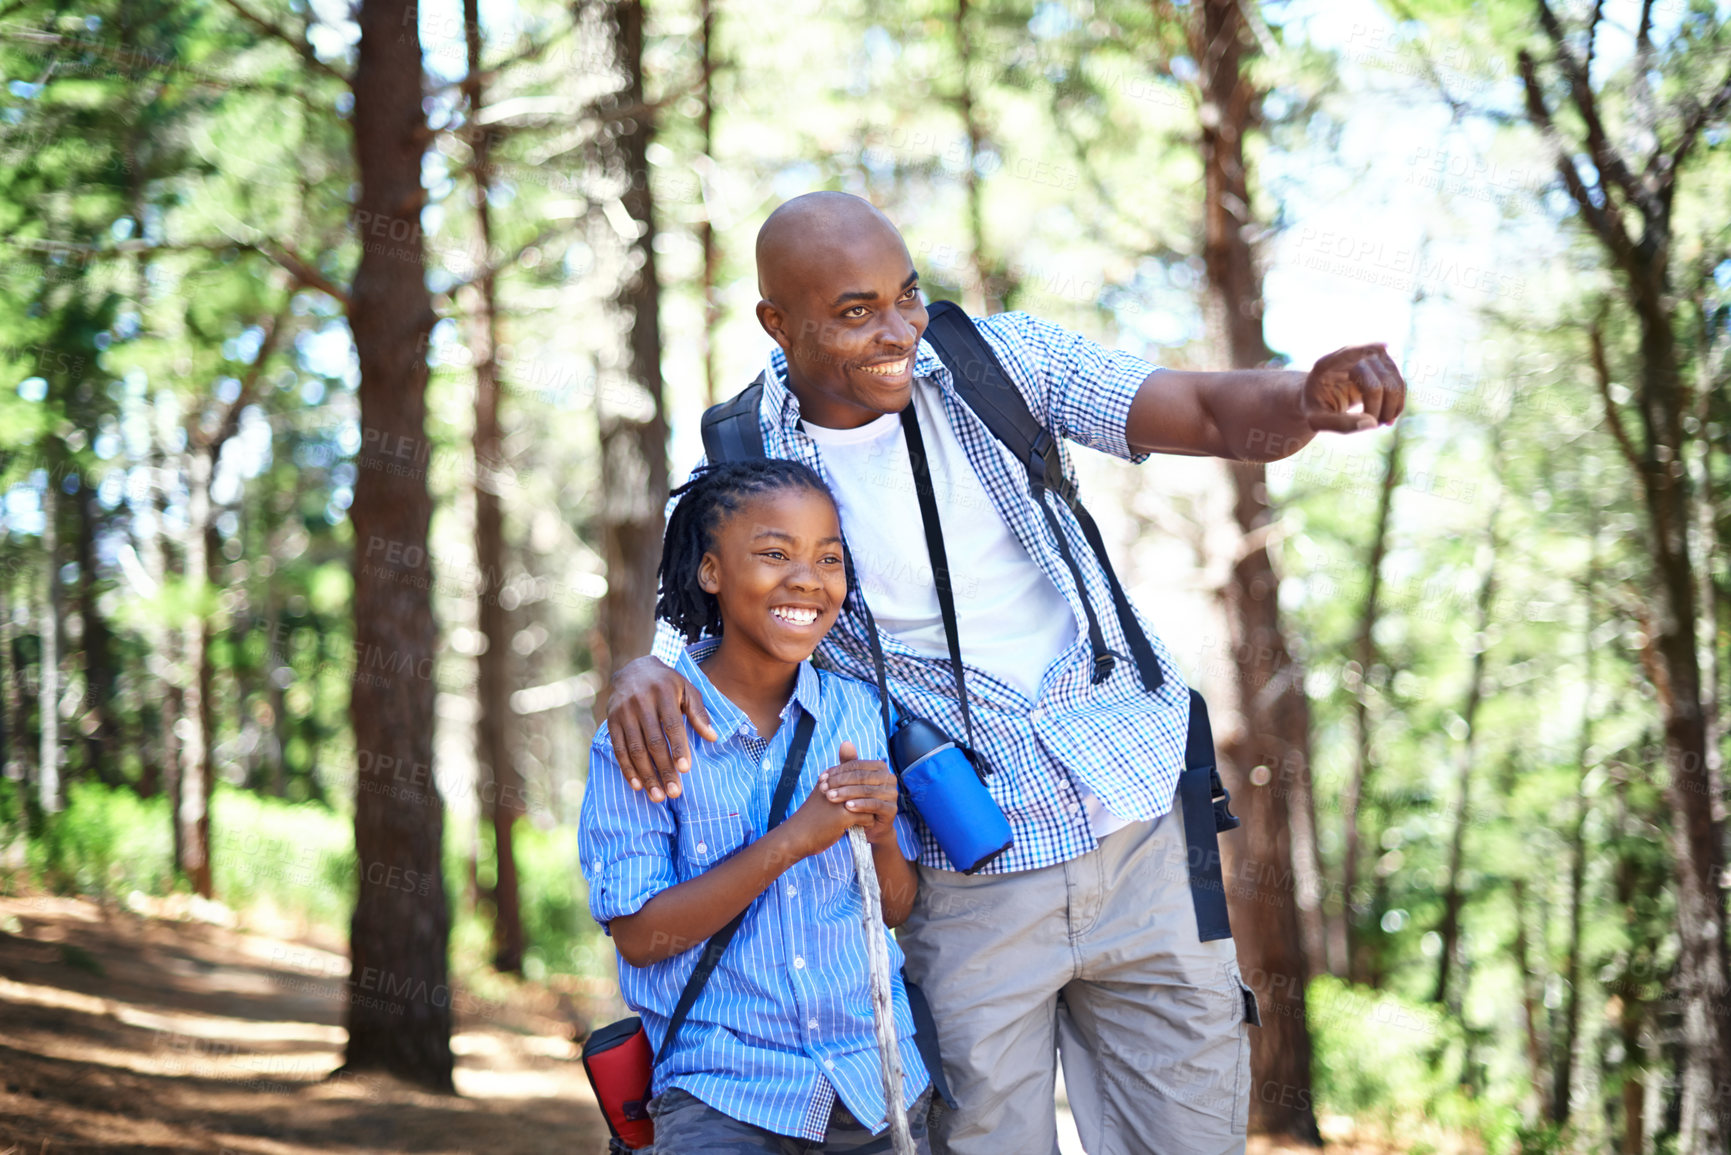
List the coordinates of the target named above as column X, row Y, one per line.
column 1353, row 389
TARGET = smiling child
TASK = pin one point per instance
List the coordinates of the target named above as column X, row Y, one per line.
column 778, row 1053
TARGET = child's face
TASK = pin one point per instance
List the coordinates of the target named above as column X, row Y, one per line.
column 777, row 572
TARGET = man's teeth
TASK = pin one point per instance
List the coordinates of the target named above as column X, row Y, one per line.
column 893, row 369
column 794, row 616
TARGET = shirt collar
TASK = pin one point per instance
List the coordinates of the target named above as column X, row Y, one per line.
column 783, row 407
column 729, row 719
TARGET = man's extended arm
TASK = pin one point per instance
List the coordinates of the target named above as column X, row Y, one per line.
column 1264, row 414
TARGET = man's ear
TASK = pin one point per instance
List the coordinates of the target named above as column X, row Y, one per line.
column 774, row 322
column 709, row 574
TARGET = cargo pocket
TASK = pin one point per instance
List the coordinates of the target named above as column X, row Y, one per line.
column 1252, row 1018
column 1252, row 1013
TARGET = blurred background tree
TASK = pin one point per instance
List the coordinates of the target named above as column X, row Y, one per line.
column 348, row 357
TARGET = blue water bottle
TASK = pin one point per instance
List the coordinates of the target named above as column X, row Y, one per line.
column 949, row 795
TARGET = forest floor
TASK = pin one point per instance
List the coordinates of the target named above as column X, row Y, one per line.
column 126, row 1031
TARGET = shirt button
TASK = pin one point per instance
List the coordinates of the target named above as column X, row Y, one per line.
column 766, row 763
column 799, row 964
column 829, row 1064
column 703, row 847
column 811, row 1023
column 792, row 890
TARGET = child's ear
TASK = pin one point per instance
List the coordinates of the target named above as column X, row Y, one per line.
column 709, row 574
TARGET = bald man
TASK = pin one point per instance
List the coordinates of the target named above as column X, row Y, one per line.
column 1080, row 941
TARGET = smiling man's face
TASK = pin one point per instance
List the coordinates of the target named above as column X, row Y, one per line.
column 841, row 297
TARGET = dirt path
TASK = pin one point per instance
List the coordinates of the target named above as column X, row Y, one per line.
column 132, row 1034
column 126, row 1033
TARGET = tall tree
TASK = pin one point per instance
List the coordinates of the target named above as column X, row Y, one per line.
column 633, row 434
column 501, row 789
column 706, row 228
column 1623, row 181
column 1276, row 719
column 102, row 743
column 50, row 791
column 1454, row 898
column 399, row 1019
column 1351, row 950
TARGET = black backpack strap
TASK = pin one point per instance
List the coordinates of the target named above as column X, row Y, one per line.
column 940, row 560
column 994, row 398
column 1203, row 799
column 731, row 431
column 717, row 944
column 987, row 389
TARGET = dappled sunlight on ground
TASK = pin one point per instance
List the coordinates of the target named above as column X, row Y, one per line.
column 133, row 1032
column 120, row 1032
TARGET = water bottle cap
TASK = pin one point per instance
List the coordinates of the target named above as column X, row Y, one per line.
column 914, row 739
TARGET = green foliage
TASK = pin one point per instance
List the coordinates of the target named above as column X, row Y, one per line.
column 1397, row 1062
column 106, row 843
column 295, row 858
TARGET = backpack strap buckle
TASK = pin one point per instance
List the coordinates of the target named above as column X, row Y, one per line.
column 1224, row 819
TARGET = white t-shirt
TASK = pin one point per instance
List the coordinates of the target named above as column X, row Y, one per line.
column 1012, row 621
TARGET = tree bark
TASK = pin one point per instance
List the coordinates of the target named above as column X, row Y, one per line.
column 50, row 794
column 633, row 448
column 1632, row 1016
column 985, row 294
column 1351, row 943
column 1562, row 1092
column 12, row 759
column 1448, row 927
column 102, row 745
column 1529, row 996
column 196, row 762
column 706, row 231
column 399, row 1012
column 501, row 789
column 1270, row 758
column 1631, row 220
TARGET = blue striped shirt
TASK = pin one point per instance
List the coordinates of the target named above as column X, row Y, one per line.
column 784, row 1026
column 1123, row 743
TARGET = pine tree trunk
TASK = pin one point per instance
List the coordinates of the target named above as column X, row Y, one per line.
column 1632, row 1018
column 501, row 790
column 194, row 634
column 1270, row 759
column 1694, row 787
column 1637, row 236
column 985, row 295
column 1529, row 996
column 49, row 792
column 1562, row 1093
column 706, row 231
column 1448, row 927
column 103, row 743
column 1351, row 947
column 633, row 451
column 399, row 1012
column 11, row 724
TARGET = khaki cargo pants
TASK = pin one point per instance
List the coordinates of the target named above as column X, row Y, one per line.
column 1095, row 961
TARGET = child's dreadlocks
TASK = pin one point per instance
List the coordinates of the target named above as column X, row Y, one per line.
column 712, row 494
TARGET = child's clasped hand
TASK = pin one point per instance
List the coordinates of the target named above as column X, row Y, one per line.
column 851, row 793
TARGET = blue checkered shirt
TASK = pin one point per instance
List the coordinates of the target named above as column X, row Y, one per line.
column 784, row 1026
column 1125, row 744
